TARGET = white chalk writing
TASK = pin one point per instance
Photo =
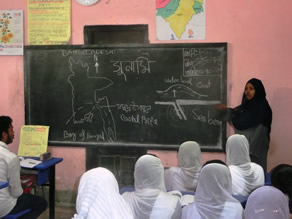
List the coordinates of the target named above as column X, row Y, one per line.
column 150, row 121
column 133, row 107
column 206, row 118
column 87, row 52
column 140, row 66
column 200, row 84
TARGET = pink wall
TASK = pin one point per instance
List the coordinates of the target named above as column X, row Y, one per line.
column 259, row 37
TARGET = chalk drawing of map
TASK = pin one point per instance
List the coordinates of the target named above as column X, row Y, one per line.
column 90, row 107
column 180, row 19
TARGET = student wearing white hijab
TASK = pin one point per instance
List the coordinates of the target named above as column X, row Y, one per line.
column 150, row 200
column 246, row 175
column 99, row 198
column 185, row 177
column 213, row 198
column 267, row 202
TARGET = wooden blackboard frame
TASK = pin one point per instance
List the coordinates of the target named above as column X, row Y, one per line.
column 30, row 51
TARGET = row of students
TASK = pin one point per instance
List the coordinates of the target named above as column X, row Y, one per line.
column 246, row 175
column 98, row 196
column 213, row 197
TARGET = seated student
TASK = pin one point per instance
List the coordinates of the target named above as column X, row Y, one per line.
column 267, row 202
column 185, row 177
column 213, row 198
column 12, row 198
column 150, row 200
column 99, row 197
column 281, row 178
column 246, row 175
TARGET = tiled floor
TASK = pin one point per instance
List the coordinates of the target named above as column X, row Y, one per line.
column 61, row 212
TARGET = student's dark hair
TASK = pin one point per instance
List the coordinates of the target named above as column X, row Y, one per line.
column 281, row 178
column 5, row 122
column 215, row 161
column 154, row 155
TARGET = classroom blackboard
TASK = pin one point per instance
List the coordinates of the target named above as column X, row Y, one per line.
column 154, row 96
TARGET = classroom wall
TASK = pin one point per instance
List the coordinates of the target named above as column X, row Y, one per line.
column 259, row 37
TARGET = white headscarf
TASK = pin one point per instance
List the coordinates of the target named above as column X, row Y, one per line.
column 267, row 202
column 99, row 197
column 185, row 176
column 246, row 176
column 150, row 199
column 213, row 198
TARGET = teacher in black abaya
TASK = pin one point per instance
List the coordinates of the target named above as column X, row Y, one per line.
column 252, row 118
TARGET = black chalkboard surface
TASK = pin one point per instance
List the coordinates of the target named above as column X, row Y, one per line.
column 155, row 96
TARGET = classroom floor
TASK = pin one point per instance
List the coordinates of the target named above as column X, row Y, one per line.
column 61, row 212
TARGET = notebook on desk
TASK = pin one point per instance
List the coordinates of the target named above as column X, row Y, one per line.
column 28, row 162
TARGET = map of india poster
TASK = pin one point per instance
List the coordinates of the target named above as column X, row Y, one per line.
column 180, row 19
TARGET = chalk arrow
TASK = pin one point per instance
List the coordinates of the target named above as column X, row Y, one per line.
column 174, row 93
column 96, row 67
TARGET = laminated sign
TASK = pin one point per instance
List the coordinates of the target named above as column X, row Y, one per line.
column 33, row 140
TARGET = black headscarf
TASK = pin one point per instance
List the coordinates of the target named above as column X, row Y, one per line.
column 253, row 112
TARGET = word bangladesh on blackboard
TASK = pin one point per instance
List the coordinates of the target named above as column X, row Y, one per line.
column 156, row 95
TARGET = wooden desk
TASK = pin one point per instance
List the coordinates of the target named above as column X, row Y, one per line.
column 46, row 173
column 3, row 184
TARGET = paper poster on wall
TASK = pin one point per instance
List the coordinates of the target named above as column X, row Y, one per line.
column 49, row 22
column 33, row 140
column 11, row 30
column 180, row 19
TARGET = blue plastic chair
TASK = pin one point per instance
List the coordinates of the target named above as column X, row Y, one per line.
column 127, row 189
column 242, row 199
column 268, row 179
column 187, row 193
column 17, row 215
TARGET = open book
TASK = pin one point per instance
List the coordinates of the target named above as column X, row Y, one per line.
column 28, row 162
column 184, row 199
column 187, row 199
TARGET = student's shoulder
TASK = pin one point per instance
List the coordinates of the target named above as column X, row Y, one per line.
column 255, row 165
column 173, row 197
column 171, row 170
column 8, row 156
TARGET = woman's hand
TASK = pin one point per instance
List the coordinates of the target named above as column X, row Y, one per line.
column 221, row 107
